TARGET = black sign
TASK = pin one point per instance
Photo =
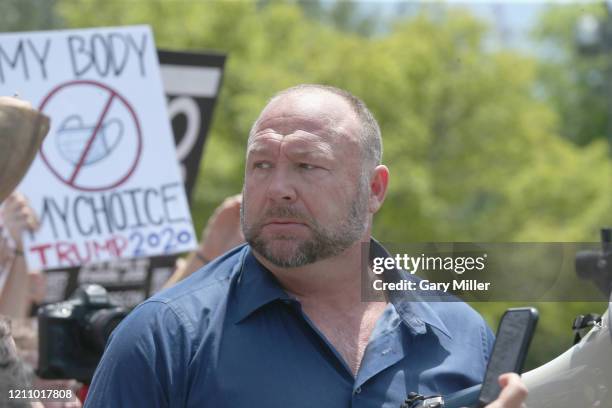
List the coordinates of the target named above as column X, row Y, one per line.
column 191, row 82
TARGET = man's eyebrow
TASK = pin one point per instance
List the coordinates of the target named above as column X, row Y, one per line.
column 321, row 153
column 296, row 153
column 259, row 148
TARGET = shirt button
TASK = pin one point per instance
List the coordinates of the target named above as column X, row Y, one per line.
column 358, row 390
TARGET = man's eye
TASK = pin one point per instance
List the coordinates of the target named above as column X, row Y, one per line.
column 262, row 165
column 307, row 166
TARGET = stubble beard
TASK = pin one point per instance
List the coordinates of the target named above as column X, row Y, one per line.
column 288, row 251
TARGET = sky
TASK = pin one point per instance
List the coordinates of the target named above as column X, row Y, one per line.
column 511, row 21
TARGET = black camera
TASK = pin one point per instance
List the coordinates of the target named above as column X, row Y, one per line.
column 597, row 265
column 72, row 334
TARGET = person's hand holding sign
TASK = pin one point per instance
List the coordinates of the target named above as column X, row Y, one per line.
column 18, row 217
column 21, row 286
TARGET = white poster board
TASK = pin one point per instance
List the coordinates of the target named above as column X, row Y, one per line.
column 106, row 183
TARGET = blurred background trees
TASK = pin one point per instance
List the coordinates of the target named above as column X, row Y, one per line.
column 483, row 143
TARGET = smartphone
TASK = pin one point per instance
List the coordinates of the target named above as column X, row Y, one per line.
column 514, row 334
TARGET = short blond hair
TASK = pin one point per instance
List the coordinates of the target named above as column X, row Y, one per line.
column 370, row 137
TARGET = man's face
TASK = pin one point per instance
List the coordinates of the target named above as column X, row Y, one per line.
column 304, row 198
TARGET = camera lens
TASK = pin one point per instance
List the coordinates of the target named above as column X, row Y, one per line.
column 101, row 324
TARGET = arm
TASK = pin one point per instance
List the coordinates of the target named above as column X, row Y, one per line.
column 16, row 296
column 222, row 233
column 145, row 361
column 15, row 299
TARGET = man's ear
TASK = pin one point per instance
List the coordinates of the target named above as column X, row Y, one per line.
column 378, row 187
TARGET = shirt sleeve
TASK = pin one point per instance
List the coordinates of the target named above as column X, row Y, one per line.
column 144, row 363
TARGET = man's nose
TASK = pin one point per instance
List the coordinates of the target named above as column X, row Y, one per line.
column 282, row 187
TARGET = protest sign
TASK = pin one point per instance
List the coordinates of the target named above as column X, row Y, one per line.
column 192, row 81
column 106, row 183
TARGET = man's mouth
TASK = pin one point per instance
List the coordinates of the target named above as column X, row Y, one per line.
column 284, row 223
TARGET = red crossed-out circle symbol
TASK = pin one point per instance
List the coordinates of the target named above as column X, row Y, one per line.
column 95, row 141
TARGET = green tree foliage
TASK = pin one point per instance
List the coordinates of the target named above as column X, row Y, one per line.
column 574, row 81
column 474, row 154
column 24, row 15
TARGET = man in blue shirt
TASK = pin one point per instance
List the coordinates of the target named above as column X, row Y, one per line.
column 281, row 322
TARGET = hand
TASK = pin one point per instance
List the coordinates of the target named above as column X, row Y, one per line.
column 513, row 394
column 223, row 230
column 18, row 216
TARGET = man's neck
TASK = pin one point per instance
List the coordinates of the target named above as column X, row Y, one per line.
column 335, row 280
column 330, row 294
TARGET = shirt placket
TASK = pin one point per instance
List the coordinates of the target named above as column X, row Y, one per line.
column 384, row 350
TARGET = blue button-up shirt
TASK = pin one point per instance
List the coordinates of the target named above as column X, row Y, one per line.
column 230, row 336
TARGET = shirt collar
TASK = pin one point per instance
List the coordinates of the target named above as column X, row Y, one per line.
column 257, row 287
column 414, row 310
